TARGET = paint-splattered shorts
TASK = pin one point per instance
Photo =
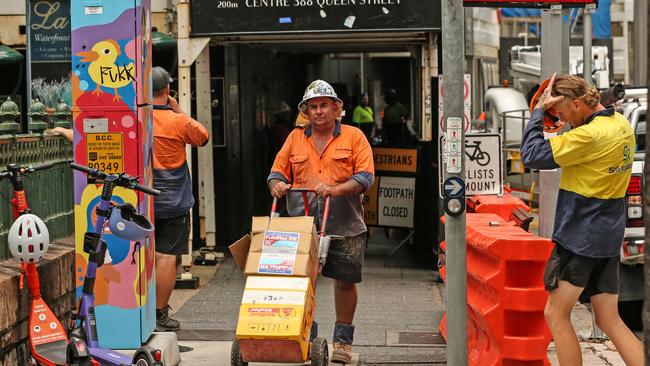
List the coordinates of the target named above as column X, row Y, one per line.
column 345, row 258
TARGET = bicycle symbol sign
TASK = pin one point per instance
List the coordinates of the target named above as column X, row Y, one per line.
column 483, row 163
column 474, row 153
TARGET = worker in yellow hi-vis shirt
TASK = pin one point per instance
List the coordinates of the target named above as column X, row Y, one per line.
column 363, row 116
column 596, row 159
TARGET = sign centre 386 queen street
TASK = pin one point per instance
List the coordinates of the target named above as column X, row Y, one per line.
column 287, row 16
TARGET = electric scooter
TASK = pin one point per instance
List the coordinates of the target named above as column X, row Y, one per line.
column 127, row 224
column 48, row 341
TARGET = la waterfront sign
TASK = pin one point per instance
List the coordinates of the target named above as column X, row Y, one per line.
column 49, row 30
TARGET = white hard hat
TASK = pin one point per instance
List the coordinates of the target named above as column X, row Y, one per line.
column 318, row 88
column 28, row 238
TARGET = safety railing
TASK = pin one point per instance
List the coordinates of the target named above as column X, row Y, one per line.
column 519, row 178
column 49, row 192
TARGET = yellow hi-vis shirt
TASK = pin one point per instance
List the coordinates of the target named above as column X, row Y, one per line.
column 596, row 160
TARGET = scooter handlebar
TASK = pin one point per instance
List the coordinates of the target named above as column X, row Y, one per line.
column 124, row 181
column 147, row 190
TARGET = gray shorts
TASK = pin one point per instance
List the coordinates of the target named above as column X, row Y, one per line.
column 345, row 258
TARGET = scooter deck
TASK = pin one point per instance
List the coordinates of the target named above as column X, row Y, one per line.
column 53, row 351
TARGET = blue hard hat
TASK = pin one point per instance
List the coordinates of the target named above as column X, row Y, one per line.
column 128, row 224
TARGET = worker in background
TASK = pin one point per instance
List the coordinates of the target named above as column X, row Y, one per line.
column 337, row 161
column 172, row 131
column 393, row 125
column 363, row 116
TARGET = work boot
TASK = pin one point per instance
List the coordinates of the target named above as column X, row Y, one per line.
column 164, row 323
column 342, row 352
column 343, row 335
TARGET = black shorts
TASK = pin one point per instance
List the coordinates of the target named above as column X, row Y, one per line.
column 595, row 275
column 345, row 258
column 172, row 235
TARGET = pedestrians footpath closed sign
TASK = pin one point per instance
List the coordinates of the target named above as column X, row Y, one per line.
column 390, row 202
column 483, row 164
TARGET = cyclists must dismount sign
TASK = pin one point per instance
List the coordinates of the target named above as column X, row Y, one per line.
column 483, row 165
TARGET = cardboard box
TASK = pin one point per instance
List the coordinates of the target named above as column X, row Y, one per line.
column 285, row 246
column 275, row 319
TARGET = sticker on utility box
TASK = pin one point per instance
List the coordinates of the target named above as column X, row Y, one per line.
column 280, row 242
column 105, row 152
column 275, row 263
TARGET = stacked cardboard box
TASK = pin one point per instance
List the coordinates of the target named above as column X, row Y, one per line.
column 275, row 319
column 280, row 261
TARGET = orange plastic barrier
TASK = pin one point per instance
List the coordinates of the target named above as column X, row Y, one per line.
column 501, row 205
column 505, row 293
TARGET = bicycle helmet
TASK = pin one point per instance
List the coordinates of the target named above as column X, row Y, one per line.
column 128, row 224
column 552, row 122
column 28, row 238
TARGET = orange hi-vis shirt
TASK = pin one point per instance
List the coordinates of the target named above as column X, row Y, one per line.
column 348, row 156
column 171, row 132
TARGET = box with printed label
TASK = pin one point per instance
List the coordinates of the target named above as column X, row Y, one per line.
column 275, row 319
column 279, row 246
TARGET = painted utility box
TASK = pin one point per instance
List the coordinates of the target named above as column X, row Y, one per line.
column 113, row 131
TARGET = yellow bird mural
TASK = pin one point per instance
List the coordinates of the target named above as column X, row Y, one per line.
column 104, row 70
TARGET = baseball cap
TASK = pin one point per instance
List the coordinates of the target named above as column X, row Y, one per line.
column 160, row 78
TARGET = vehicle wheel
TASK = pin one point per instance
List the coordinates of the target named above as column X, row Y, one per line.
column 235, row 356
column 319, row 353
column 630, row 312
column 142, row 360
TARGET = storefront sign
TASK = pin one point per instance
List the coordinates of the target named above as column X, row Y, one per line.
column 395, row 160
column 211, row 17
column 483, row 164
column 49, row 30
column 105, row 152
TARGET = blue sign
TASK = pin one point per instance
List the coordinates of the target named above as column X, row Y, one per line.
column 454, row 187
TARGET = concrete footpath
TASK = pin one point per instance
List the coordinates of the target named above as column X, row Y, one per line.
column 400, row 307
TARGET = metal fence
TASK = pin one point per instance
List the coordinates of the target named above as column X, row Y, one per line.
column 49, row 192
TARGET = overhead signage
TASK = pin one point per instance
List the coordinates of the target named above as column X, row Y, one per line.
column 483, row 165
column 395, row 159
column 528, row 3
column 391, row 202
column 49, row 30
column 223, row 17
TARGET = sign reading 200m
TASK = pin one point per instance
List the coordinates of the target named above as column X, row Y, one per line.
column 213, row 17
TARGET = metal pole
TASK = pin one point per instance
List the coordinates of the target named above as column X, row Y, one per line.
column 453, row 61
column 586, row 43
column 362, row 72
column 640, row 42
column 28, row 66
column 555, row 58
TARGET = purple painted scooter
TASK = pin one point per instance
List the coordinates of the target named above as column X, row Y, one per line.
column 127, row 224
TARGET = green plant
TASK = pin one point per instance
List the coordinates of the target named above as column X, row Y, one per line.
column 51, row 92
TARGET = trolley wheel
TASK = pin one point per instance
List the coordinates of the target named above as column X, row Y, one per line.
column 319, row 352
column 235, row 356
